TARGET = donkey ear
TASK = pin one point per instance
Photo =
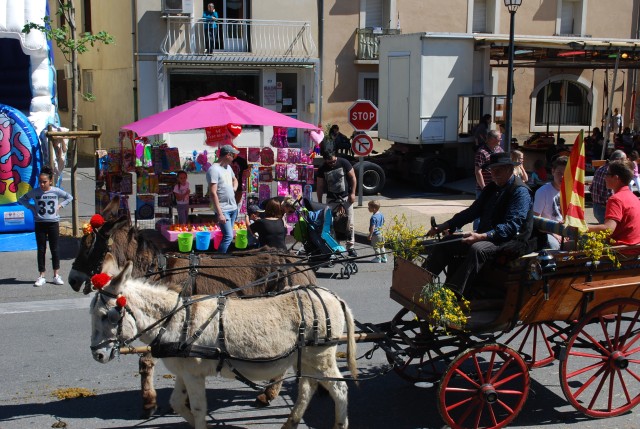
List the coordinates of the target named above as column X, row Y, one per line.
column 110, row 265
column 122, row 276
column 110, row 212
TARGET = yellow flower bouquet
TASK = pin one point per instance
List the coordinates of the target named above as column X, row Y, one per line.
column 597, row 245
column 445, row 309
column 404, row 239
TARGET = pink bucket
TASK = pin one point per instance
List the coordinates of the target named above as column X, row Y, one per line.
column 217, row 238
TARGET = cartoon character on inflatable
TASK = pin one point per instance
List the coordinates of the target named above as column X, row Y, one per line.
column 10, row 159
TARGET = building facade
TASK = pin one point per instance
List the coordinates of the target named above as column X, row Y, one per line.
column 107, row 85
column 559, row 96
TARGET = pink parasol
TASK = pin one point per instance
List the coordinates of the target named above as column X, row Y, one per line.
column 216, row 109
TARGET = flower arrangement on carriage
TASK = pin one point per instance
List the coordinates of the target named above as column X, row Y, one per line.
column 442, row 306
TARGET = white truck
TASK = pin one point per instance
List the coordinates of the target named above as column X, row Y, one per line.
column 432, row 92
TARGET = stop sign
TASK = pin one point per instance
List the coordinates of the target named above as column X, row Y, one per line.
column 363, row 115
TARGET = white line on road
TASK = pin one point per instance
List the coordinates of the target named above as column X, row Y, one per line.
column 52, row 305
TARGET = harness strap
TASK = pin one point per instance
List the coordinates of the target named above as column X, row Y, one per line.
column 327, row 319
column 194, row 262
column 301, row 331
column 314, row 329
column 222, row 301
column 198, row 332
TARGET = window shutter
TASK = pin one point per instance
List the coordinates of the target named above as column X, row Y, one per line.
column 479, row 16
column 373, row 13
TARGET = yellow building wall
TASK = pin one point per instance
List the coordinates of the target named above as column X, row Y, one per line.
column 112, row 69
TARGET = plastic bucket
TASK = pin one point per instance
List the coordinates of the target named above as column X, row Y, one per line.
column 217, row 238
column 242, row 240
column 203, row 240
column 185, row 241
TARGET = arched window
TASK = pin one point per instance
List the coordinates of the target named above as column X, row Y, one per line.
column 564, row 103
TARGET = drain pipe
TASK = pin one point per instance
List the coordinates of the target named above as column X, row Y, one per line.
column 320, row 56
column 134, row 57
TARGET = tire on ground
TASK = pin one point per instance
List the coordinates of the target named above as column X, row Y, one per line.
column 435, row 174
column 373, row 177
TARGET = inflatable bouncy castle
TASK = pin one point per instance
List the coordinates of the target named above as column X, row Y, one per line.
column 27, row 107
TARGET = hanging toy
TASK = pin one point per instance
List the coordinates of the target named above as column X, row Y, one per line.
column 139, row 153
column 197, row 164
column 279, row 138
column 316, row 138
column 234, row 130
column 203, row 160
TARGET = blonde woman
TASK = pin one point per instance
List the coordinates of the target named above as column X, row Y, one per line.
column 518, row 157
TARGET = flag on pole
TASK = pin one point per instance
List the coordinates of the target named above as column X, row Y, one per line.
column 572, row 190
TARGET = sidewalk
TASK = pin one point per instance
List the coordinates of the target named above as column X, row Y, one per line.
column 418, row 210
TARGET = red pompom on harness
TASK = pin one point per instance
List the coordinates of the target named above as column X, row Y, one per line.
column 96, row 221
column 100, row 280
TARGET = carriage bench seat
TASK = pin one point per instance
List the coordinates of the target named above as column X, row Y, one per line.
column 606, row 284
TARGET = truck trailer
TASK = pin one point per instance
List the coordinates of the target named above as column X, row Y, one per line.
column 432, row 93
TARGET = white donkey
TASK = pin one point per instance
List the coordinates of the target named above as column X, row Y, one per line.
column 248, row 336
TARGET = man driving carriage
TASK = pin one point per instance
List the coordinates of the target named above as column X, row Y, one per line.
column 506, row 223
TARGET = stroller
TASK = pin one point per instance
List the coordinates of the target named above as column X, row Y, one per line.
column 313, row 230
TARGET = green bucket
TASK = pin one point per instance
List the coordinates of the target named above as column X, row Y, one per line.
column 185, row 241
column 242, row 240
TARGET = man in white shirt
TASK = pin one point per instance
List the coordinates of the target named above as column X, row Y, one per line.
column 222, row 186
column 546, row 202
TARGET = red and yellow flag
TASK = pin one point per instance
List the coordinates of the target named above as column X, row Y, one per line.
column 572, row 190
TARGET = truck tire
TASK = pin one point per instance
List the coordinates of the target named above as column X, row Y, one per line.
column 373, row 177
column 435, row 174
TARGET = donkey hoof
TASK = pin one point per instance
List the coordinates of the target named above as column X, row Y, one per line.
column 149, row 412
column 261, row 401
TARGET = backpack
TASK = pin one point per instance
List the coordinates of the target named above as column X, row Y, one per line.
column 301, row 230
column 341, row 222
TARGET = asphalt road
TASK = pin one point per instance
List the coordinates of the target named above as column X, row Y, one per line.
column 45, row 347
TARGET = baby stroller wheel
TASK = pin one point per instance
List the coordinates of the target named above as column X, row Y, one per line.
column 344, row 273
column 354, row 268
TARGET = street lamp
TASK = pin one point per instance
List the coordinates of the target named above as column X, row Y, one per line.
column 512, row 5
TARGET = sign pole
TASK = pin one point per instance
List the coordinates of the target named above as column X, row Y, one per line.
column 363, row 116
column 360, row 174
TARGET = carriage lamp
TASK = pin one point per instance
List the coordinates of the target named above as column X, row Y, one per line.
column 547, row 265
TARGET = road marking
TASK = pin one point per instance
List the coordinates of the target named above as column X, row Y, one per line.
column 51, row 305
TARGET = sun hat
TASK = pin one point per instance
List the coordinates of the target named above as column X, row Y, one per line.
column 227, row 149
column 496, row 159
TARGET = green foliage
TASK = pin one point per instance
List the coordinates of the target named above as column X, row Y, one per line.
column 61, row 36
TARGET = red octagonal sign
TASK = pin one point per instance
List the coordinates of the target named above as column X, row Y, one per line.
column 363, row 115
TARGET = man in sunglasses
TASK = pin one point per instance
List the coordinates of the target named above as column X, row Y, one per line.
column 338, row 179
column 506, row 222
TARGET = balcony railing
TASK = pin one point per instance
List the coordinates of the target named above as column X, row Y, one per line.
column 369, row 41
column 260, row 38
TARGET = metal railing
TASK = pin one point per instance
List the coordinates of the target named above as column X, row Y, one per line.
column 291, row 39
column 369, row 41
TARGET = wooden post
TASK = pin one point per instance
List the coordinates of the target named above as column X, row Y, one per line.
column 74, row 189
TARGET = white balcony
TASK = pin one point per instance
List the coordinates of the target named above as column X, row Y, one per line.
column 260, row 39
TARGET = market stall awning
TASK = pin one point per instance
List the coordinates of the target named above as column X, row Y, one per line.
column 217, row 109
column 561, row 52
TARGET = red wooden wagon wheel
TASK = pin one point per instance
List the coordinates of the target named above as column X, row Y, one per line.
column 600, row 373
column 526, row 340
column 484, row 387
column 422, row 357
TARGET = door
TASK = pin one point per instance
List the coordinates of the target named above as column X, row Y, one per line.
column 398, row 96
column 234, row 28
